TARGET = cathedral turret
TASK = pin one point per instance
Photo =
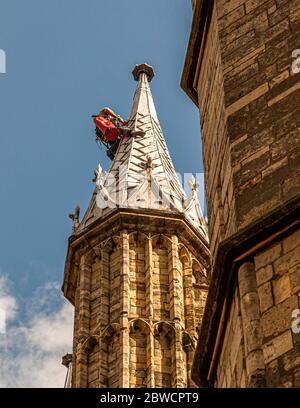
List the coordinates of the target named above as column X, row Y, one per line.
column 137, row 268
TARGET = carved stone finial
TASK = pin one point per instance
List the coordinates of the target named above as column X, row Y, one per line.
column 143, row 69
column 75, row 217
column 94, row 179
column 67, row 359
column 98, row 174
column 193, row 184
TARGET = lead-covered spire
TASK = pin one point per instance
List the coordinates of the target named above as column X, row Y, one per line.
column 142, row 174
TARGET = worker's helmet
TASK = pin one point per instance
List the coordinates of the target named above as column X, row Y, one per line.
column 107, row 111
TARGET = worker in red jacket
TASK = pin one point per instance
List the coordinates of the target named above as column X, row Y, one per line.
column 108, row 125
column 110, row 128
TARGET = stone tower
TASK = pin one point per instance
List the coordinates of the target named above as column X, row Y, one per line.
column 137, row 265
column 242, row 72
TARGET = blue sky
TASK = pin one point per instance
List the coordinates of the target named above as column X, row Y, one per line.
column 65, row 60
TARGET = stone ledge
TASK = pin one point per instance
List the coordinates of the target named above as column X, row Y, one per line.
column 154, row 221
column 201, row 20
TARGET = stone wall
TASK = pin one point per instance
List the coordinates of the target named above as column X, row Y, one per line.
column 216, row 151
column 270, row 351
column 257, row 39
column 250, row 115
column 278, row 279
column 238, row 71
column 139, row 303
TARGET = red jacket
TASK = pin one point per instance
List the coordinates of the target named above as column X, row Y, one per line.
column 107, row 128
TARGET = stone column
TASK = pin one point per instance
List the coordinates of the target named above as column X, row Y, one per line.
column 83, row 321
column 124, row 301
column 150, row 359
column 176, row 312
column 189, row 357
column 255, row 366
column 189, row 298
column 84, row 297
column 149, row 308
column 81, row 367
column 179, row 375
column 189, row 312
column 149, row 278
column 103, row 315
column 76, row 326
column 175, row 282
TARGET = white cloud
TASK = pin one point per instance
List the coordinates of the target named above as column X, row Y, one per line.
column 8, row 303
column 30, row 352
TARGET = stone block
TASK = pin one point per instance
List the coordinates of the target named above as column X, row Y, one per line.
column 265, row 296
column 251, row 5
column 278, row 319
column 264, row 274
column 279, row 78
column 281, row 288
column 286, row 262
column 295, row 279
column 291, row 242
column 291, row 360
column 278, row 346
column 232, row 17
column 268, row 256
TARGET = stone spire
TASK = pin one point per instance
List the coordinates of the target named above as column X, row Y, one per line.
column 137, row 266
column 142, row 174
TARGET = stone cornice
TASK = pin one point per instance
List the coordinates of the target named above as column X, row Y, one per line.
column 231, row 252
column 153, row 221
column 196, row 45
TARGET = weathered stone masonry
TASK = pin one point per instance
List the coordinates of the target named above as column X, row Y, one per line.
column 138, row 306
column 238, row 70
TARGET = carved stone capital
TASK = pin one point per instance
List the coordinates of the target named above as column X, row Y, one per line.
column 143, row 69
column 67, row 359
